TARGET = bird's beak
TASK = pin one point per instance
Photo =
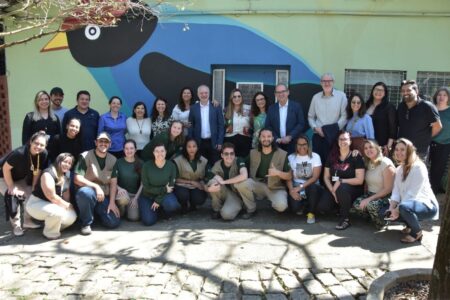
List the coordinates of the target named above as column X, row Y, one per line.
column 58, row 42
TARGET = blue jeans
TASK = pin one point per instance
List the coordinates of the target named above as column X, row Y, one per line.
column 148, row 216
column 87, row 203
column 411, row 212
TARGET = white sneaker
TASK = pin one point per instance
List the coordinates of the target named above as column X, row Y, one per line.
column 310, row 218
column 86, row 230
column 17, row 231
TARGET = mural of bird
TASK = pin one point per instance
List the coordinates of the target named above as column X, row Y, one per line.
column 141, row 59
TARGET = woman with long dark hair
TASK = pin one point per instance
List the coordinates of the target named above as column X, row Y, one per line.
column 139, row 126
column 440, row 144
column 343, row 177
column 259, row 106
column 181, row 111
column 359, row 124
column 384, row 116
column 191, row 171
column 161, row 119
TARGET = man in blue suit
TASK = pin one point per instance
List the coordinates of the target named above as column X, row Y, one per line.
column 285, row 119
column 207, row 126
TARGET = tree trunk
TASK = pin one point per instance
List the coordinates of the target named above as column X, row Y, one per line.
column 440, row 279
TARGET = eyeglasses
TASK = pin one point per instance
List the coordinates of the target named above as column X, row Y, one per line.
column 378, row 90
column 237, row 96
column 303, row 145
column 281, row 92
column 228, row 153
column 103, row 141
column 327, row 81
column 356, row 102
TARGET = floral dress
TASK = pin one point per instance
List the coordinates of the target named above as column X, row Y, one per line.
column 258, row 124
column 161, row 125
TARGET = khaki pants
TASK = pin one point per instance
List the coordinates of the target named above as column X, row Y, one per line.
column 277, row 197
column 123, row 204
column 56, row 217
column 20, row 184
column 229, row 203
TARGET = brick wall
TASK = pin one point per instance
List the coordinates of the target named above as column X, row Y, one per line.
column 5, row 126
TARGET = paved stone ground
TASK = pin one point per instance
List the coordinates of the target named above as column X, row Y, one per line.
column 272, row 256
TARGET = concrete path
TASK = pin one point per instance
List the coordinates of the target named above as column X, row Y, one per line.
column 272, row 256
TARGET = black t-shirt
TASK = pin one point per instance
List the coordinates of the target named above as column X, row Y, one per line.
column 64, row 144
column 414, row 124
column 345, row 169
column 59, row 190
column 21, row 161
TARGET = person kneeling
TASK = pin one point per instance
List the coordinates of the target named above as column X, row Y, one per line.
column 92, row 176
column 229, row 186
column 158, row 179
column 50, row 200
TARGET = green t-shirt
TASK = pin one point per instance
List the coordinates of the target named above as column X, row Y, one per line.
column 155, row 180
column 226, row 170
column 264, row 165
column 127, row 176
column 81, row 166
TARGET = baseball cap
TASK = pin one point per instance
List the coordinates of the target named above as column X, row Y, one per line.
column 103, row 135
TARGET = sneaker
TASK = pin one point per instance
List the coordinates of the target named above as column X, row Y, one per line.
column 17, row 231
column 248, row 215
column 310, row 218
column 86, row 230
column 29, row 224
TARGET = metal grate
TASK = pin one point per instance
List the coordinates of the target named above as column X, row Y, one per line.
column 361, row 81
column 218, row 88
column 429, row 82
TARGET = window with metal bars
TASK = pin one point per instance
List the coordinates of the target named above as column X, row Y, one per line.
column 429, row 82
column 362, row 81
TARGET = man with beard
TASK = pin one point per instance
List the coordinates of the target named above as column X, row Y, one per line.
column 57, row 98
column 269, row 168
column 418, row 120
column 92, row 177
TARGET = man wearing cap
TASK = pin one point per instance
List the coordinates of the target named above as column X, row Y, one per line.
column 57, row 98
column 88, row 117
column 92, row 177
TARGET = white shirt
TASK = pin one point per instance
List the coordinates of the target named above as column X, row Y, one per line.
column 206, row 128
column 239, row 122
column 139, row 131
column 303, row 166
column 416, row 186
column 182, row 116
column 283, row 118
column 326, row 110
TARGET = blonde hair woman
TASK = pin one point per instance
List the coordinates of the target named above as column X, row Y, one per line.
column 237, row 124
column 412, row 198
column 379, row 178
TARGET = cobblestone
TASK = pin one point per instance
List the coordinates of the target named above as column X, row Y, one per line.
column 327, row 279
column 252, row 287
column 314, row 287
column 299, row 294
column 354, row 287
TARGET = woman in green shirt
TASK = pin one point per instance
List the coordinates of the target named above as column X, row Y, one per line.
column 158, row 179
column 172, row 140
column 440, row 145
column 125, row 184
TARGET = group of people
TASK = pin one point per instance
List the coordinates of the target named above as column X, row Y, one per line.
column 109, row 166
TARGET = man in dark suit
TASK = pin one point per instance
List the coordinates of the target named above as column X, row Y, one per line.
column 285, row 119
column 207, row 126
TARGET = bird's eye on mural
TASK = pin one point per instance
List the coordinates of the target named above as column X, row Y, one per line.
column 92, row 32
